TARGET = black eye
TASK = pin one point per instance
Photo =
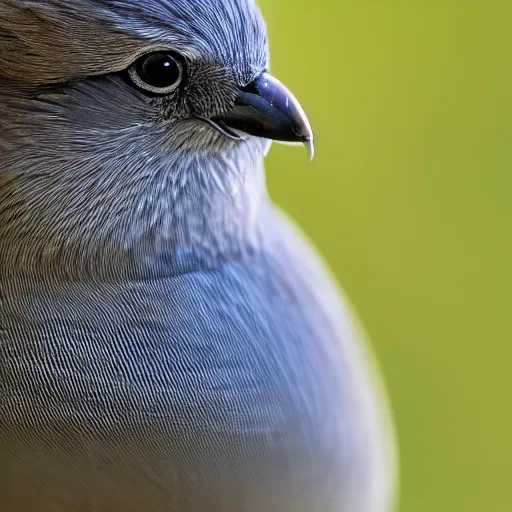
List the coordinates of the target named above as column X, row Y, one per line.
column 159, row 73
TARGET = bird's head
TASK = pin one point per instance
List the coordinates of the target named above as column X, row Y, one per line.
column 153, row 108
column 194, row 69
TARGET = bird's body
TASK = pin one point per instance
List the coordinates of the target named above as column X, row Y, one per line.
column 168, row 342
column 237, row 388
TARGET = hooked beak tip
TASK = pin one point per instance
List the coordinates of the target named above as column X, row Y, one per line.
column 310, row 147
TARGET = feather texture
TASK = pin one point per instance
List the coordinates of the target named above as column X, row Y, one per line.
column 167, row 341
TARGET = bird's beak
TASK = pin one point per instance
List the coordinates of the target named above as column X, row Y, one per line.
column 266, row 108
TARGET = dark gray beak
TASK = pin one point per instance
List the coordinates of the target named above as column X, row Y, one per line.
column 266, row 108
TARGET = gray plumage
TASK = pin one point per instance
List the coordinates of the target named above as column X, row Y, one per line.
column 168, row 342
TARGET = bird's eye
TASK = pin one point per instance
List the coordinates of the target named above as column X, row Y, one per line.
column 158, row 73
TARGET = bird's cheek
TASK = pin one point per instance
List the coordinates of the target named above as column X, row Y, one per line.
column 175, row 107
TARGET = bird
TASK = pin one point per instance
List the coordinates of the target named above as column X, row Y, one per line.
column 169, row 339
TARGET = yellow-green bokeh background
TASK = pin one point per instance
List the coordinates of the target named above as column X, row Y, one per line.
column 410, row 200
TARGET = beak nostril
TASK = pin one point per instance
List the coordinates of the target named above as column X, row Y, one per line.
column 251, row 88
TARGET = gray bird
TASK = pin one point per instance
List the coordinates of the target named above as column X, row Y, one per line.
column 168, row 341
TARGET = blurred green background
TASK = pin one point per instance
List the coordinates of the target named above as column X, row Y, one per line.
column 409, row 198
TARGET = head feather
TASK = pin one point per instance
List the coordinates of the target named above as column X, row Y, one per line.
column 45, row 41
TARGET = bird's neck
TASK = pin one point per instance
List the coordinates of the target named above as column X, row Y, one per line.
column 132, row 214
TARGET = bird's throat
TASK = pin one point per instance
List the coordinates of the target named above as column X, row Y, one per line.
column 173, row 217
